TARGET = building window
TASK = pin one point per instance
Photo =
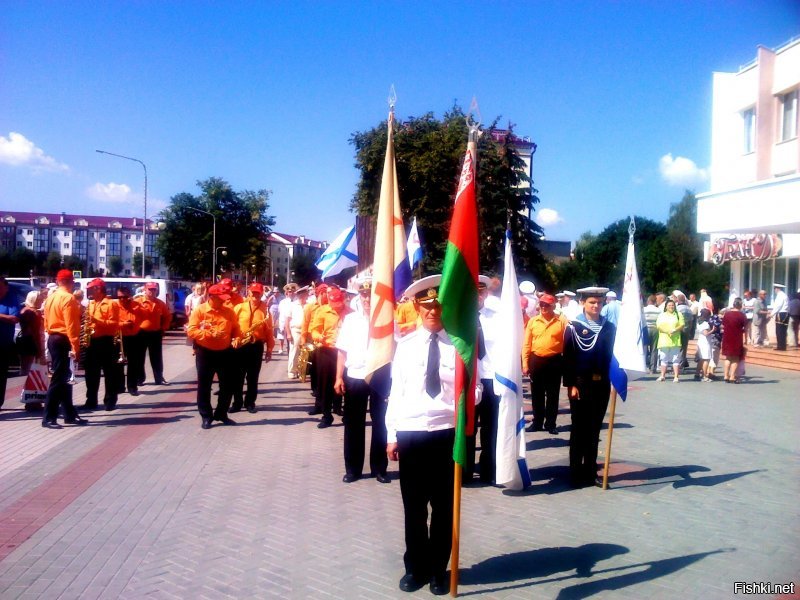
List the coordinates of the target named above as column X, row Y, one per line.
column 102, row 259
column 127, row 271
column 114, row 243
column 66, row 246
column 30, row 244
column 102, row 236
column 749, row 123
column 127, row 236
column 102, row 246
column 55, row 245
column 30, row 231
column 127, row 261
column 66, row 233
column 788, row 116
column 138, row 249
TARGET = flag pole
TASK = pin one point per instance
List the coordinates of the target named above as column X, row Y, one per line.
column 472, row 145
column 610, row 435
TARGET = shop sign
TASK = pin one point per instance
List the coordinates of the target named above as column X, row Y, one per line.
column 744, row 246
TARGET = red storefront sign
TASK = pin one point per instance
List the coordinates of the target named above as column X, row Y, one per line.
column 744, row 246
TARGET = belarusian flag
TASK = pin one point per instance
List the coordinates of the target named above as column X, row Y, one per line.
column 458, row 294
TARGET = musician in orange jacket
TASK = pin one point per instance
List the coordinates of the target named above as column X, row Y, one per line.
column 102, row 353
column 213, row 326
column 62, row 321
column 255, row 332
column 130, row 322
column 156, row 319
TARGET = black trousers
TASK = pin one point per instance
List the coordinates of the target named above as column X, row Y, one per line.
column 545, row 388
column 426, row 478
column 151, row 343
column 210, row 363
column 101, row 355
column 5, row 359
column 247, row 362
column 325, row 359
column 587, row 414
column 357, row 395
column 487, row 413
column 128, row 374
column 60, row 391
column 781, row 329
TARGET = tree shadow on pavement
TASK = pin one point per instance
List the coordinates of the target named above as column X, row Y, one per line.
column 535, row 564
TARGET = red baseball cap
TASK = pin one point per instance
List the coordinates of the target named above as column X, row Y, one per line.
column 225, row 281
column 547, row 299
column 97, row 282
column 257, row 288
column 335, row 295
column 322, row 287
column 220, row 291
column 64, row 274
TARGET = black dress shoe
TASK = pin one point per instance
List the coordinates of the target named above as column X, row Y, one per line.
column 409, row 583
column 206, row 424
column 350, row 478
column 162, row 382
column 440, row 585
column 234, row 409
column 552, row 431
column 89, row 406
column 325, row 423
column 598, row 482
column 140, row 383
column 134, row 392
column 50, row 424
column 383, row 478
column 252, row 410
column 314, row 411
column 533, row 427
column 225, row 420
column 110, row 407
column 76, row 421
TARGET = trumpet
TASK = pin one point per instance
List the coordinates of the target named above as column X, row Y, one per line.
column 248, row 337
column 87, row 330
column 122, row 360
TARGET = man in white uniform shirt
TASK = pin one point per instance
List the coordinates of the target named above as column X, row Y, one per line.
column 780, row 312
column 572, row 309
column 351, row 368
column 294, row 325
column 420, row 420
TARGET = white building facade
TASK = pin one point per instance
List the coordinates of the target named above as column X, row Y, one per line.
column 94, row 240
column 752, row 211
column 282, row 248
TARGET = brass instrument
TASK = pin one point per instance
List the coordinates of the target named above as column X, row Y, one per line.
column 122, row 360
column 87, row 330
column 248, row 337
column 304, row 360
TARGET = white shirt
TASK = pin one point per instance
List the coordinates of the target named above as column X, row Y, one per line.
column 490, row 338
column 352, row 340
column 780, row 303
column 284, row 307
column 572, row 310
column 410, row 407
column 192, row 301
column 296, row 315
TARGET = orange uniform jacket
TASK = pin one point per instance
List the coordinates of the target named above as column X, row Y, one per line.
column 406, row 317
column 308, row 314
column 62, row 314
column 213, row 328
column 325, row 325
column 235, row 300
column 155, row 314
column 104, row 317
column 130, row 319
column 543, row 338
column 246, row 317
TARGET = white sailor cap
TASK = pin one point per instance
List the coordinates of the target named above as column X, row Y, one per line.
column 560, row 295
column 591, row 291
column 779, row 285
column 571, row 294
column 527, row 287
column 484, row 281
column 611, row 294
column 426, row 288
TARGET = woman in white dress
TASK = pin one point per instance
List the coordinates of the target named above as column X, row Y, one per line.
column 703, row 344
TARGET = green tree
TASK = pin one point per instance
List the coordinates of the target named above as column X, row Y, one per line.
column 304, row 271
column 242, row 227
column 136, row 267
column 429, row 153
column 73, row 263
column 114, row 265
column 51, row 263
column 17, row 263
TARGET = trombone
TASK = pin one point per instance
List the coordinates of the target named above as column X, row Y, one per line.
column 122, row 360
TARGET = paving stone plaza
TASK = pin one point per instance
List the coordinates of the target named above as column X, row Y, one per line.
column 142, row 503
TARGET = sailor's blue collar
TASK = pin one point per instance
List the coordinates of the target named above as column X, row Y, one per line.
column 583, row 319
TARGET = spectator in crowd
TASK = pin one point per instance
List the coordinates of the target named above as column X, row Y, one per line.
column 651, row 312
column 715, row 340
column 670, row 324
column 30, row 342
column 748, row 305
column 734, row 337
column 687, row 333
column 703, row 345
column 9, row 317
column 760, row 319
column 706, row 301
column 794, row 315
column 780, row 312
column 611, row 309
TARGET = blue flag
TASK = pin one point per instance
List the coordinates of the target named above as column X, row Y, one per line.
column 342, row 253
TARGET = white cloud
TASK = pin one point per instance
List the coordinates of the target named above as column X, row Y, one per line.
column 17, row 150
column 110, row 192
column 547, row 217
column 680, row 171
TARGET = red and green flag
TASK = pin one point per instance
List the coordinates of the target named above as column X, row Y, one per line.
column 458, row 294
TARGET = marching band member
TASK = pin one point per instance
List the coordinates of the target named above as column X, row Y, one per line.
column 101, row 352
column 156, row 319
column 255, row 331
column 130, row 321
column 294, row 327
column 324, row 330
column 62, row 321
column 351, row 368
column 321, row 295
column 212, row 326
column 405, row 317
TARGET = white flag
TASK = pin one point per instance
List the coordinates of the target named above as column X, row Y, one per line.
column 342, row 253
column 512, row 467
column 414, row 247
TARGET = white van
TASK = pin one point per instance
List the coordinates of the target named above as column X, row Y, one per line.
column 164, row 292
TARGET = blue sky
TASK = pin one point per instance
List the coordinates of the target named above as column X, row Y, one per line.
column 617, row 95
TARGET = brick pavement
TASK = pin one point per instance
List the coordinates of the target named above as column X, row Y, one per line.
column 143, row 503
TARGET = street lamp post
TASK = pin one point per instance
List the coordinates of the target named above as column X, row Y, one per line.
column 144, row 220
column 213, row 241
column 224, row 253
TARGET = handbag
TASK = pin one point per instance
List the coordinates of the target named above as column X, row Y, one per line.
column 25, row 344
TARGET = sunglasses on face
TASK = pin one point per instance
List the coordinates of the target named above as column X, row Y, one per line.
column 545, row 305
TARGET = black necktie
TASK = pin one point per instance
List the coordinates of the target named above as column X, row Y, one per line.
column 433, row 384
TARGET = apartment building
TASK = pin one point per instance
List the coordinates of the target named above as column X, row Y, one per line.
column 282, row 248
